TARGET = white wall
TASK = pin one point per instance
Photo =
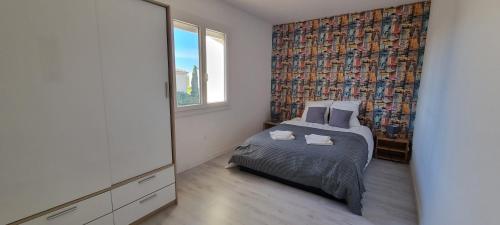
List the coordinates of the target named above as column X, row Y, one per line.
column 203, row 135
column 456, row 149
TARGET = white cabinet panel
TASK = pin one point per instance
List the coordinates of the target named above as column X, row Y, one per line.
column 144, row 186
column 79, row 213
column 134, row 55
column 52, row 123
column 105, row 220
column 144, row 206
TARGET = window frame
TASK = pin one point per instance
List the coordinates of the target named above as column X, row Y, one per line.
column 203, row 75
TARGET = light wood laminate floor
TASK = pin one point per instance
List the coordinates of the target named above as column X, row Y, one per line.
column 212, row 195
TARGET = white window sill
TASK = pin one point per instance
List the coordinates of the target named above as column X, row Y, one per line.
column 194, row 110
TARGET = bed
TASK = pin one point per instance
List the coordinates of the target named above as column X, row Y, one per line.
column 336, row 170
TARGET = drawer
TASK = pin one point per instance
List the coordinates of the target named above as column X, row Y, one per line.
column 79, row 213
column 137, row 189
column 142, row 207
column 105, row 220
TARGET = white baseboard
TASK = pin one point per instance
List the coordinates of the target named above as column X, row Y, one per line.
column 208, row 158
column 415, row 189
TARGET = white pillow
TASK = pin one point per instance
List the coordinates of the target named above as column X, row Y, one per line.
column 325, row 103
column 349, row 106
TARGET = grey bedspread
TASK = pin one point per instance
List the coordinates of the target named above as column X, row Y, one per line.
column 336, row 169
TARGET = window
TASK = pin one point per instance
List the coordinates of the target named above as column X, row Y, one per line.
column 216, row 71
column 200, row 60
column 187, row 64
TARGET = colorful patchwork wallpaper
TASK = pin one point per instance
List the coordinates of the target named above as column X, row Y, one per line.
column 374, row 56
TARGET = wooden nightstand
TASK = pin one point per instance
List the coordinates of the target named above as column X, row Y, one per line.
column 397, row 150
column 269, row 124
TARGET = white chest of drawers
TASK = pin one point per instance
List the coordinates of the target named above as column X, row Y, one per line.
column 145, row 205
column 79, row 213
column 146, row 185
column 105, row 220
column 87, row 119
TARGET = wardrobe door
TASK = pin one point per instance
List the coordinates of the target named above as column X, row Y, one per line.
column 52, row 123
column 133, row 38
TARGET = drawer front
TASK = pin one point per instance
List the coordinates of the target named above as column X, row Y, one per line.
column 137, row 189
column 144, row 206
column 79, row 213
column 105, row 220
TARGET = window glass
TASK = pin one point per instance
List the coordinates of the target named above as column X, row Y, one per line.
column 187, row 63
column 216, row 66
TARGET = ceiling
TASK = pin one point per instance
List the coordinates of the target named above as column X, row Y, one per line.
column 285, row 11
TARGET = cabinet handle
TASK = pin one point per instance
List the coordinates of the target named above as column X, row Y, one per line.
column 64, row 212
column 146, row 179
column 147, row 198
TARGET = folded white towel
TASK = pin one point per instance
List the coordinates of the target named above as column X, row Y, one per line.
column 281, row 132
column 314, row 139
column 282, row 138
column 318, row 138
column 281, row 135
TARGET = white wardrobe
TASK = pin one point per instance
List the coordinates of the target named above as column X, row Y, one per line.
column 86, row 133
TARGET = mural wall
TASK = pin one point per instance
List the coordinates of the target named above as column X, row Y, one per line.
column 374, row 56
